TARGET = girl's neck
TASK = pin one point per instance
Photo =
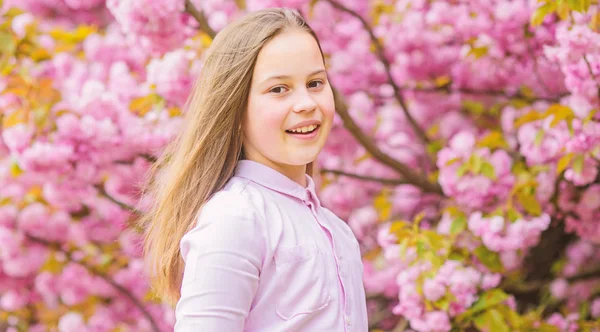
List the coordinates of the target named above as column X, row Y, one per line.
column 296, row 173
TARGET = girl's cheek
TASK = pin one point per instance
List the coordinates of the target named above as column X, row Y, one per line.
column 329, row 108
column 273, row 119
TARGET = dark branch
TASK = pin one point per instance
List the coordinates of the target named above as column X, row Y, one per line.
column 200, row 18
column 585, row 275
column 381, row 55
column 124, row 291
column 148, row 157
column 381, row 312
column 365, row 177
column 407, row 173
column 535, row 61
column 494, row 93
column 593, row 75
column 119, row 203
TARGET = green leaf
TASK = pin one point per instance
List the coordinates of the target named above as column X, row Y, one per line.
column 476, row 163
column 75, row 36
column 539, row 136
column 7, row 43
column 538, row 16
column 442, row 303
column 564, row 162
column 474, row 107
column 487, row 170
column 559, row 113
column 545, row 327
column 478, row 52
column 584, row 309
column 528, row 117
column 452, row 161
column 434, row 147
column 491, row 321
column 529, row 203
column 562, row 10
column 383, row 206
column 512, row 318
column 585, row 5
column 590, row 116
column 493, row 140
column 420, row 247
column 15, row 169
column 573, row 4
column 398, row 226
column 242, row 4
column 579, row 5
column 434, row 239
column 489, row 258
column 402, row 247
column 462, row 170
column 487, row 300
column 458, row 225
column 456, row 256
column 144, row 104
column 513, row 215
column 578, row 164
column 527, row 92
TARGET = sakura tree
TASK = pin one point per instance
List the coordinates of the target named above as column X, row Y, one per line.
column 464, row 155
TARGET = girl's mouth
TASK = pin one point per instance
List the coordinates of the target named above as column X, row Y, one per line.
column 305, row 132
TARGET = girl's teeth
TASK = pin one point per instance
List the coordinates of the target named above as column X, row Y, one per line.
column 304, row 129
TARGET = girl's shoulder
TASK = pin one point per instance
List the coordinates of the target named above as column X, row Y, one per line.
column 226, row 220
column 232, row 201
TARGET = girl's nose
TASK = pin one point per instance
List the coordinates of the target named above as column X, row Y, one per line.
column 305, row 102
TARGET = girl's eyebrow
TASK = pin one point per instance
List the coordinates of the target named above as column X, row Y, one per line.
column 281, row 77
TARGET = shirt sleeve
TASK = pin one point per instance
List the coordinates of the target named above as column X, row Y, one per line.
column 223, row 255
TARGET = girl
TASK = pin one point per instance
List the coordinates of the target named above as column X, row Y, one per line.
column 238, row 238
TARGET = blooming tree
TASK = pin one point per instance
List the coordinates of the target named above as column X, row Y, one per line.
column 464, row 155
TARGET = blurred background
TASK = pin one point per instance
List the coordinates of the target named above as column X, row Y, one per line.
column 464, row 155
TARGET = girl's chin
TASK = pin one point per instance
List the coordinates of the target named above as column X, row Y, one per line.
column 303, row 160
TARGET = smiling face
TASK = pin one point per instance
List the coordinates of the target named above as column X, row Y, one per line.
column 289, row 94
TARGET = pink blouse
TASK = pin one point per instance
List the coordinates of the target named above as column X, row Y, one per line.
column 266, row 256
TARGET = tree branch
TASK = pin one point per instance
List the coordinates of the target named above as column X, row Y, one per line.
column 588, row 274
column 535, row 61
column 496, row 93
column 381, row 55
column 407, row 173
column 124, row 291
column 119, row 203
column 402, row 325
column 382, row 312
column 365, row 177
column 593, row 75
column 535, row 285
column 150, row 158
column 200, row 18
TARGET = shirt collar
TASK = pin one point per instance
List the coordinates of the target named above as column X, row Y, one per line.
column 274, row 180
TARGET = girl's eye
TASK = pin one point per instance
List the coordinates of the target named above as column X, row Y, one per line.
column 315, row 84
column 278, row 89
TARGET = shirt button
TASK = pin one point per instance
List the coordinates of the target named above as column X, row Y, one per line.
column 347, row 320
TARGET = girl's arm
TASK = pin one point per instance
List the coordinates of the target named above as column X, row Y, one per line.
column 223, row 256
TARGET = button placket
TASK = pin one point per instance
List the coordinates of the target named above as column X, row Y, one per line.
column 339, row 265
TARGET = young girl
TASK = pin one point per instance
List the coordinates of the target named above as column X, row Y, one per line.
column 238, row 238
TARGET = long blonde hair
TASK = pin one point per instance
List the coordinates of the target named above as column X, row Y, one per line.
column 203, row 157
